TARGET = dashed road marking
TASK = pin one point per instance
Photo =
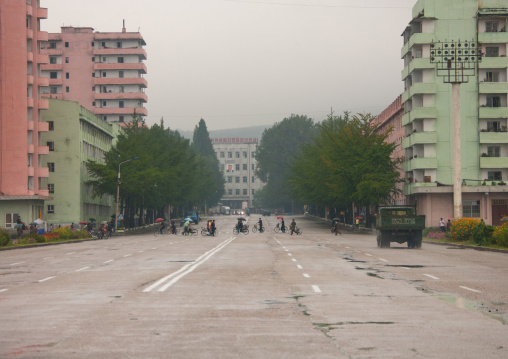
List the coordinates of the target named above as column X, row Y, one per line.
column 384, row 260
column 47, row 258
column 289, row 254
column 106, row 262
column 467, row 288
column 13, row 264
column 299, row 266
column 127, row 255
column 367, row 254
column 70, row 253
column 81, row 269
column 431, row 276
column 3, row 290
column 306, row 275
column 294, row 260
column 316, row 289
column 45, row 279
column 140, row 251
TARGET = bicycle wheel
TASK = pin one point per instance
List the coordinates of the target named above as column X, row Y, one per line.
column 235, row 231
column 246, row 231
column 204, row 232
column 254, row 229
column 157, row 233
column 276, row 229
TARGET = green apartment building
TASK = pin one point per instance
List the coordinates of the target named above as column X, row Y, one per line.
column 75, row 136
column 427, row 120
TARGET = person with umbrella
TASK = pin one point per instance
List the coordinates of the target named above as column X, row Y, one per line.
column 282, row 225
column 239, row 225
column 162, row 225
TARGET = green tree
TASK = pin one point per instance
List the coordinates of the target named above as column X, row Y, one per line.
column 278, row 145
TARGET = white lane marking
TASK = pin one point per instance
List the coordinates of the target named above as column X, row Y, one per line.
column 3, row 290
column 294, row 260
column 106, row 262
column 127, row 255
column 79, row 270
column 47, row 258
column 306, row 275
column 70, row 253
column 186, row 269
column 384, row 260
column 347, row 247
column 431, row 276
column 299, row 266
column 13, row 264
column 140, row 251
column 154, row 248
column 287, row 250
column 406, row 268
column 367, row 254
column 316, row 289
column 289, row 254
column 472, row 290
column 45, row 279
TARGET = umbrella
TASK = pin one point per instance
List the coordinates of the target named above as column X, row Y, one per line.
column 159, row 220
column 34, row 224
column 82, row 222
column 280, row 217
column 241, row 219
column 92, row 219
column 188, row 219
column 450, row 218
column 359, row 217
column 38, row 221
column 19, row 225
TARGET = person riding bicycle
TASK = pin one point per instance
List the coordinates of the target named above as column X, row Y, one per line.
column 162, row 226
column 110, row 227
column 212, row 228
column 293, row 226
column 282, row 225
column 239, row 225
column 260, row 223
column 186, row 227
column 173, row 226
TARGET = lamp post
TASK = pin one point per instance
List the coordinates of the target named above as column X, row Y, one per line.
column 118, row 190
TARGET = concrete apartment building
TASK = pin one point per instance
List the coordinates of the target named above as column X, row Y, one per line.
column 427, row 104
column 391, row 120
column 237, row 162
column 23, row 174
column 75, row 136
column 103, row 71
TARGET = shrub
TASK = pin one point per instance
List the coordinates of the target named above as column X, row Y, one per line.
column 63, row 232
column 462, row 229
column 436, row 234
column 5, row 237
column 482, row 234
column 500, row 235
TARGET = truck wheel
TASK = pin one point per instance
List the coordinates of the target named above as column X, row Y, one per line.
column 410, row 243
column 418, row 240
column 383, row 241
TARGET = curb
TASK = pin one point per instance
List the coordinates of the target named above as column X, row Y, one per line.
column 465, row 246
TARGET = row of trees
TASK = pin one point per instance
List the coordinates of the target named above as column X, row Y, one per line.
column 337, row 163
column 169, row 171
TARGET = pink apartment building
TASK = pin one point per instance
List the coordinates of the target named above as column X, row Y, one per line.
column 23, row 181
column 103, row 71
column 391, row 117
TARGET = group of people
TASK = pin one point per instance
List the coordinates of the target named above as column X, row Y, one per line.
column 172, row 226
column 292, row 226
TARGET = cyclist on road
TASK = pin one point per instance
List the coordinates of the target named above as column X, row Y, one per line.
column 293, row 226
column 173, row 227
column 260, row 223
column 161, row 227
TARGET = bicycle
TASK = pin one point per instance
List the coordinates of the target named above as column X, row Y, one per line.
column 164, row 231
column 191, row 232
column 278, row 228
column 296, row 230
column 255, row 229
column 244, row 230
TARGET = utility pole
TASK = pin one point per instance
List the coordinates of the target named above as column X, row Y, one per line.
column 456, row 61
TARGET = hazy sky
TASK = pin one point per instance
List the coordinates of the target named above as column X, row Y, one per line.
column 239, row 63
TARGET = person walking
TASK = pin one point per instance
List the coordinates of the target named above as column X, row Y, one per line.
column 337, row 228
column 212, row 228
column 282, row 226
column 293, row 226
column 260, row 223
column 19, row 227
column 448, row 226
column 442, row 225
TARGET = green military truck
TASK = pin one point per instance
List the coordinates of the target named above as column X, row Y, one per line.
column 399, row 224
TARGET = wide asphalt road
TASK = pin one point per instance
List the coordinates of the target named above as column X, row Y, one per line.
column 266, row 295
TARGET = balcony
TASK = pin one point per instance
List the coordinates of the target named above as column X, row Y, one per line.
column 42, row 36
column 420, row 63
column 120, row 111
column 493, row 63
column 30, row 148
column 493, row 137
column 419, row 113
column 419, row 138
column 30, row 57
column 118, row 36
column 29, row 10
column 43, row 172
column 121, row 51
column 121, row 81
column 121, row 96
column 42, row 126
column 52, row 67
column 43, row 104
column 494, row 162
column 43, row 150
column 493, row 37
column 43, row 81
column 420, row 164
column 58, row 96
column 420, row 88
column 29, row 34
column 30, row 102
column 125, row 66
column 42, row 59
column 493, row 87
column 493, row 112
column 42, row 13
column 52, row 52
column 30, row 79
column 31, row 171
column 55, row 82
column 422, row 187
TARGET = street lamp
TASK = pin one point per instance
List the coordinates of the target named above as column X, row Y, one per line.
column 118, row 190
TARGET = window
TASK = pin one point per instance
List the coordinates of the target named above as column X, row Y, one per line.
column 121, row 89
column 494, row 176
column 245, row 192
column 53, row 89
column 230, row 154
column 244, row 167
column 237, row 154
column 222, row 168
column 104, row 103
column 52, row 45
column 493, row 126
column 121, row 119
column 120, row 74
column 51, row 187
column 52, row 60
column 237, row 167
column 67, row 89
column 66, row 60
column 253, row 192
column 492, row 52
column 103, row 44
column 119, row 44
column 471, row 209
column 230, row 192
column 252, row 166
column 492, row 76
column 493, row 101
column 66, row 75
column 51, row 209
column 66, row 44
column 494, row 151
column 51, row 125
column 491, row 26
column 252, row 154
column 237, row 192
column 29, row 160
column 230, row 179
column 93, row 75
column 244, row 179
column 11, row 219
column 244, row 154
column 252, row 179
column 104, row 74
column 93, row 44
column 120, row 104
column 53, row 75
column 222, row 155
column 120, row 59
column 237, row 179
column 51, row 166
column 93, row 58
column 51, row 145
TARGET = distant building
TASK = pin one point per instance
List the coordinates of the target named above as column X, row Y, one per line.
column 23, row 175
column 75, row 136
column 103, row 71
column 427, row 119
column 237, row 162
column 391, row 119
